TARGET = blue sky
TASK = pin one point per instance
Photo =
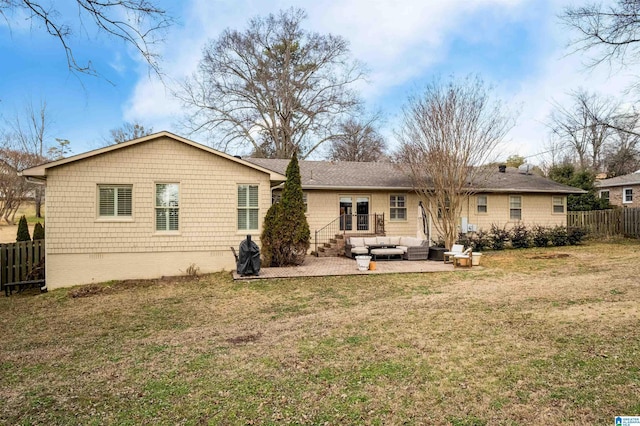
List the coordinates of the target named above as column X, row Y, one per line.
column 518, row 46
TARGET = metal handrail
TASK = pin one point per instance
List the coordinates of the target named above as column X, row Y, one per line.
column 357, row 224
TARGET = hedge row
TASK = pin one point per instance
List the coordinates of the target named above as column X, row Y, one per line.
column 522, row 237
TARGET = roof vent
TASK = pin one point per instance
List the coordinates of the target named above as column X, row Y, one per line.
column 238, row 157
column 525, row 168
column 502, row 168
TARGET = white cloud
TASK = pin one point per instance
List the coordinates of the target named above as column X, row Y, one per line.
column 400, row 42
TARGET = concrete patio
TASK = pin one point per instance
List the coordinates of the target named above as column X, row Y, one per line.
column 336, row 266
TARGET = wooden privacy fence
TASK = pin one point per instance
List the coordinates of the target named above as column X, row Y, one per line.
column 607, row 223
column 18, row 259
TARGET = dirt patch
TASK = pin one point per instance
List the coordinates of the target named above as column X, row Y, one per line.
column 248, row 338
column 551, row 256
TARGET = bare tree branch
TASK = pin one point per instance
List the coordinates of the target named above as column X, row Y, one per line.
column 448, row 132
column 138, row 23
column 274, row 87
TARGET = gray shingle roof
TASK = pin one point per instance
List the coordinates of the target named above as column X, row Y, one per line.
column 354, row 175
column 630, row 179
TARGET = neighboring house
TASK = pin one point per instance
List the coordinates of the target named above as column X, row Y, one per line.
column 148, row 208
column 155, row 205
column 623, row 191
column 370, row 190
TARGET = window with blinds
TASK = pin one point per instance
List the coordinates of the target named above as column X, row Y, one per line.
column 515, row 207
column 167, row 206
column 248, row 207
column 558, row 204
column 481, row 203
column 115, row 200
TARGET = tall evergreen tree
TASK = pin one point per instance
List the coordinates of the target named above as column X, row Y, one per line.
column 23, row 230
column 38, row 232
column 286, row 236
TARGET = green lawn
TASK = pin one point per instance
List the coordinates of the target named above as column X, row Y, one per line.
column 537, row 337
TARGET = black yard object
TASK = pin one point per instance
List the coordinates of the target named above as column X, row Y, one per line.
column 248, row 258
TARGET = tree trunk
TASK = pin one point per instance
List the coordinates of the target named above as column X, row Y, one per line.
column 38, row 199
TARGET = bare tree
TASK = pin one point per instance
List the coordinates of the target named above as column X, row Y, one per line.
column 138, row 23
column 127, row 132
column 358, row 141
column 448, row 132
column 275, row 87
column 581, row 127
column 613, row 31
column 622, row 156
column 29, row 131
column 14, row 189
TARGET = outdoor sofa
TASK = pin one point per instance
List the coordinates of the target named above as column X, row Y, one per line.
column 407, row 248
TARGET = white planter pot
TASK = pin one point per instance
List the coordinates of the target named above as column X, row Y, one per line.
column 476, row 258
column 363, row 262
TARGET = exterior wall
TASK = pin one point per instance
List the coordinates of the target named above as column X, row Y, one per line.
column 537, row 209
column 616, row 193
column 324, row 207
column 83, row 248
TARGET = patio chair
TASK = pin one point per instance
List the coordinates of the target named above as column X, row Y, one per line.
column 463, row 259
column 456, row 249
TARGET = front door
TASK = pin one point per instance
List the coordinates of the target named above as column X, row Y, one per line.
column 347, row 214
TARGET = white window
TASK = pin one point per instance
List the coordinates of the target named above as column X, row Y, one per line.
column 515, row 207
column 114, row 200
column 604, row 194
column 482, row 203
column 398, row 207
column 558, row 204
column 167, row 206
column 247, row 207
column 627, row 195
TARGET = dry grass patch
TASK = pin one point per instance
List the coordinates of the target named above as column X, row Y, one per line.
column 533, row 338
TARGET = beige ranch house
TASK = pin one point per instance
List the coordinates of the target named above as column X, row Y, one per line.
column 153, row 206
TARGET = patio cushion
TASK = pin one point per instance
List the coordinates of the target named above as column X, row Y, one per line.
column 370, row 241
column 394, row 241
column 403, row 248
column 410, row 241
column 383, row 240
column 386, row 252
column 359, row 250
column 357, row 241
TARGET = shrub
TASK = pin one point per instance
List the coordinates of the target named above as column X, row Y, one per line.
column 576, row 235
column 465, row 239
column 481, row 241
column 268, row 239
column 520, row 237
column 559, row 236
column 498, row 237
column 38, row 232
column 23, row 230
column 478, row 241
column 541, row 236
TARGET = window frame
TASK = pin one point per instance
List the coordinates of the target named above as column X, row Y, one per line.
column 601, row 193
column 554, row 204
column 512, row 209
column 247, row 207
column 393, row 207
column 157, row 207
column 485, row 205
column 115, row 217
column 624, row 195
